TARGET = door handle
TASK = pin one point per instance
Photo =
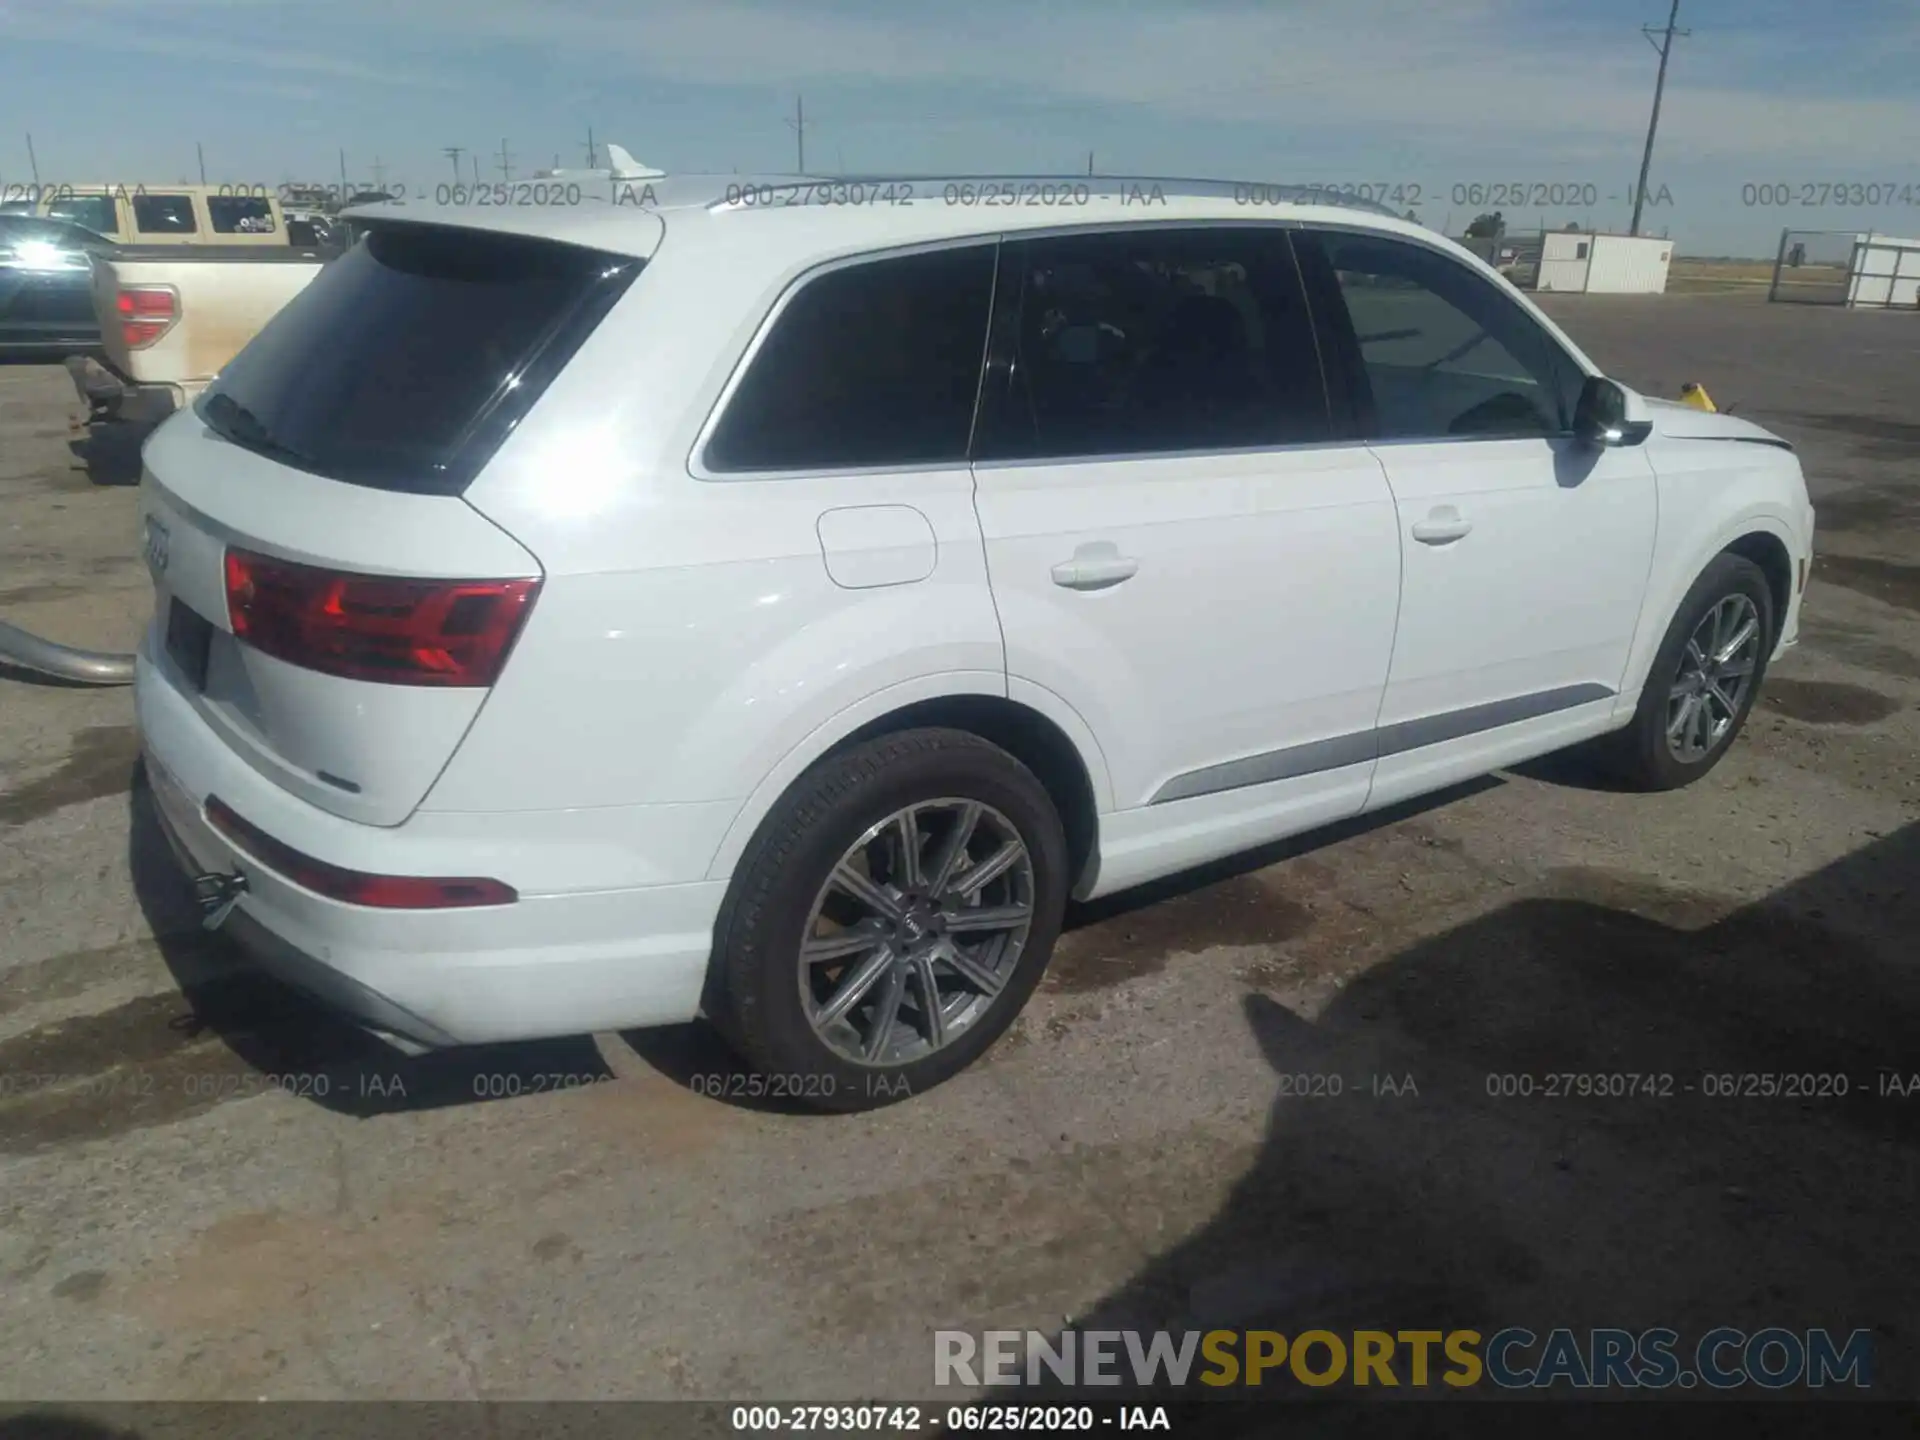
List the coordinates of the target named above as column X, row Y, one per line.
column 1095, row 567
column 1443, row 526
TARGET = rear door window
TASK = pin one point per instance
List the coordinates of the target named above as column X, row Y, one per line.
column 869, row 365
column 408, row 359
column 240, row 215
column 164, row 215
column 1153, row 341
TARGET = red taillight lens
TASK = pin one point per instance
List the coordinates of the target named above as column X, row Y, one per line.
column 146, row 313
column 369, row 627
column 382, row 892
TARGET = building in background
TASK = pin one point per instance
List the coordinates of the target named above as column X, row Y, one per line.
column 1885, row 272
column 1591, row 263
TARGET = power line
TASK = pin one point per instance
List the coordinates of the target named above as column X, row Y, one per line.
column 1665, row 47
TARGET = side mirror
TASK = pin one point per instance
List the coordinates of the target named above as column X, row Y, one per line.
column 1609, row 414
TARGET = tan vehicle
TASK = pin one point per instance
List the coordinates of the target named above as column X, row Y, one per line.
column 168, row 214
column 172, row 316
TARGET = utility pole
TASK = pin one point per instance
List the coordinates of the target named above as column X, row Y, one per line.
column 1089, row 164
column 1665, row 47
column 453, row 153
column 343, row 173
column 506, row 162
column 593, row 153
column 34, row 162
column 474, row 160
column 202, row 155
column 379, row 174
column 799, row 124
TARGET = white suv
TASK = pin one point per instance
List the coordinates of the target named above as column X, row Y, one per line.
column 773, row 601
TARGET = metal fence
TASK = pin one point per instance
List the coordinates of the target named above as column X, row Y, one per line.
column 1846, row 267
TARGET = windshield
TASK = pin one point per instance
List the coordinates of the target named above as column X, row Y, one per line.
column 408, row 359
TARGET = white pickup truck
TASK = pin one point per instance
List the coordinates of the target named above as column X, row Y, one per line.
column 171, row 316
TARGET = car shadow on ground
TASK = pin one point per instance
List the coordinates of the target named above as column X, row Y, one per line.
column 695, row 1056
column 275, row 1035
column 1754, row 1164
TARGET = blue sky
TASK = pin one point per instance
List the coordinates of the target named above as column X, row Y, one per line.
column 1433, row 93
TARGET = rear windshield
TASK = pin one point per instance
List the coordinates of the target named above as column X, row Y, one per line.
column 91, row 212
column 409, row 359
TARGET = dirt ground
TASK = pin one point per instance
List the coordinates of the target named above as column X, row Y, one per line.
column 173, row 1226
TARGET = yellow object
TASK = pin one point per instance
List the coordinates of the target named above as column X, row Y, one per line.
column 1696, row 396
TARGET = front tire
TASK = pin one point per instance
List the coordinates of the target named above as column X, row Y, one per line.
column 1704, row 679
column 891, row 918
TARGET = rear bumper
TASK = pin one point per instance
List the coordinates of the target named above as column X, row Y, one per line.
column 547, row 965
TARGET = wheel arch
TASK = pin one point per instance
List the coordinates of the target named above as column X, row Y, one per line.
column 1761, row 536
column 1770, row 553
column 1035, row 727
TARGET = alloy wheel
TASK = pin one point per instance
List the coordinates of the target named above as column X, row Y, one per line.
column 1716, row 671
column 916, row 931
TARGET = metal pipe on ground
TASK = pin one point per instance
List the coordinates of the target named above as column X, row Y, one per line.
column 63, row 662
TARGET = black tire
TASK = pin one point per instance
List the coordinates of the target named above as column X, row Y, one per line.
column 1640, row 754
column 759, row 1009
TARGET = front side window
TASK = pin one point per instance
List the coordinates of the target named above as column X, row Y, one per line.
column 164, row 215
column 873, row 364
column 1441, row 352
column 1153, row 341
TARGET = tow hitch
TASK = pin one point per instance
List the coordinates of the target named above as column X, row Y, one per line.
column 216, row 896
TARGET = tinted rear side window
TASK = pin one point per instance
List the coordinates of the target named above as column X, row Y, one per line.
column 240, row 214
column 164, row 215
column 875, row 364
column 1154, row 341
column 409, row 359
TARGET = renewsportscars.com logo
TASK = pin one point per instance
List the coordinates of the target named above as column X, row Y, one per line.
column 1514, row 1358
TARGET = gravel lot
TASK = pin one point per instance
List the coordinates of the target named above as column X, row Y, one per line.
column 171, row 1226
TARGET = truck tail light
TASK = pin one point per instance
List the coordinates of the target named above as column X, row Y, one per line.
column 146, row 313
column 355, row 887
column 372, row 627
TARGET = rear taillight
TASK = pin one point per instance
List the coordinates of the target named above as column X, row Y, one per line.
column 370, row 627
column 146, row 313
column 382, row 892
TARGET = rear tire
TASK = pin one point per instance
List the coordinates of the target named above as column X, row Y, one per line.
column 886, row 919
column 1705, row 678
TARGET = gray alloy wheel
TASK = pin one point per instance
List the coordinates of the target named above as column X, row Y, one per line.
column 1717, row 669
column 916, row 932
